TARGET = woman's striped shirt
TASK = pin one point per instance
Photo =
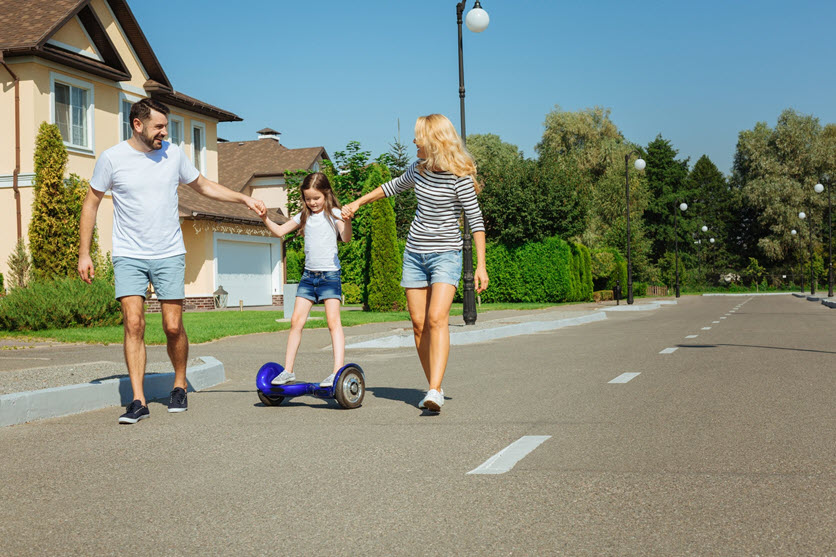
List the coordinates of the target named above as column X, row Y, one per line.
column 441, row 197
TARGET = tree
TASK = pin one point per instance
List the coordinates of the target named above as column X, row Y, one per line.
column 20, row 266
column 405, row 202
column 711, row 203
column 665, row 177
column 774, row 171
column 56, row 210
column 384, row 291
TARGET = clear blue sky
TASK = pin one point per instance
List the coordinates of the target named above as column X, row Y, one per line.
column 328, row 72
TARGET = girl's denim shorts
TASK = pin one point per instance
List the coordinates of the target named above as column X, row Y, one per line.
column 320, row 285
column 425, row 269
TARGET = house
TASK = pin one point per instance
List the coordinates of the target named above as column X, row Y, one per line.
column 80, row 64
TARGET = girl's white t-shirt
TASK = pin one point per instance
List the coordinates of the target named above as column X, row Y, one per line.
column 321, row 241
column 146, row 217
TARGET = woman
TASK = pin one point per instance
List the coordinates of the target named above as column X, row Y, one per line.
column 444, row 179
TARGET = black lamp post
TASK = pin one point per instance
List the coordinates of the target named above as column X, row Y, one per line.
column 477, row 21
column 682, row 207
column 798, row 251
column 819, row 188
column 803, row 216
column 639, row 164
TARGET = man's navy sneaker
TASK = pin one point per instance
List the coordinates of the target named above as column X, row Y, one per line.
column 177, row 402
column 136, row 411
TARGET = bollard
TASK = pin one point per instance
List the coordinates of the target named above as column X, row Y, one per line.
column 240, row 305
column 616, row 292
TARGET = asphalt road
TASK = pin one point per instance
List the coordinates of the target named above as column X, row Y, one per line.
column 724, row 446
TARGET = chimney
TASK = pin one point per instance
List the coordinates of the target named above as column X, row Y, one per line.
column 268, row 133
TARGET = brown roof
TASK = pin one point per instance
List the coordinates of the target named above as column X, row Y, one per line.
column 240, row 161
column 27, row 25
column 196, row 206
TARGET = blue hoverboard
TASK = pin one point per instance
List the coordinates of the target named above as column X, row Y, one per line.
column 348, row 388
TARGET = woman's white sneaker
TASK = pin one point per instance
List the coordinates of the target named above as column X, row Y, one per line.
column 433, row 401
column 283, row 377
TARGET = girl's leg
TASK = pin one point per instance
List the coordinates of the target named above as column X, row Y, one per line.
column 335, row 325
column 297, row 321
column 417, row 302
column 437, row 321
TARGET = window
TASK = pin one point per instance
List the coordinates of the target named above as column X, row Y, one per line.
column 125, row 103
column 199, row 147
column 72, row 110
column 175, row 130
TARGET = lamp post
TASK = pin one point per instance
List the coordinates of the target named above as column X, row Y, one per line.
column 702, row 255
column 803, row 216
column 820, row 188
column 794, row 232
column 682, row 207
column 639, row 164
column 477, row 21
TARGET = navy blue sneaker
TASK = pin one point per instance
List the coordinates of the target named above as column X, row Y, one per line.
column 177, row 401
column 136, row 411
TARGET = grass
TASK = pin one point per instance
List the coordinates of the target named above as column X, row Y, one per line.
column 207, row 326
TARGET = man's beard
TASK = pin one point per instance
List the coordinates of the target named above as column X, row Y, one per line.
column 149, row 142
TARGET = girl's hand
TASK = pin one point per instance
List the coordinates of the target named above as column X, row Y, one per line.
column 480, row 279
column 349, row 210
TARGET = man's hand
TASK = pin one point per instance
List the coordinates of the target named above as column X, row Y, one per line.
column 85, row 269
column 257, row 206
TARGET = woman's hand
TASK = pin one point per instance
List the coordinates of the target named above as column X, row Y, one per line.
column 349, row 210
column 480, row 279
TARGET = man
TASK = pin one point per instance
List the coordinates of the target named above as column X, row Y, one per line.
column 143, row 174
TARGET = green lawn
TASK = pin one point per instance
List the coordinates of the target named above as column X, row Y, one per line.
column 206, row 326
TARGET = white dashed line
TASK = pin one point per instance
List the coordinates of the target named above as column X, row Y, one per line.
column 624, row 377
column 692, row 336
column 706, row 328
column 715, row 321
column 668, row 351
column 723, row 317
column 508, row 457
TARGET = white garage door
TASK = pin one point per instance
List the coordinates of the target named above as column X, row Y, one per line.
column 244, row 271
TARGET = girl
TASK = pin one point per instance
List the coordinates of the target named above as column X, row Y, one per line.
column 322, row 223
column 444, row 179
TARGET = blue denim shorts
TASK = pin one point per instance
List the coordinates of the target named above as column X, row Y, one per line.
column 425, row 269
column 320, row 285
column 167, row 275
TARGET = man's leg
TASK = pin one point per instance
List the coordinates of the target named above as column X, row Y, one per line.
column 133, row 317
column 177, row 342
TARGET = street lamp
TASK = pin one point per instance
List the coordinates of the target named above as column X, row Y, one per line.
column 803, row 216
column 820, row 188
column 477, row 20
column 639, row 164
column 798, row 249
column 682, row 207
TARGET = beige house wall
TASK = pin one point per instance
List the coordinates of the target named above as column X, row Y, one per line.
column 36, row 77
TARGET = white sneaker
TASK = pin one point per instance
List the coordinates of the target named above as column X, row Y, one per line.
column 433, row 401
column 421, row 404
column 328, row 381
column 283, row 377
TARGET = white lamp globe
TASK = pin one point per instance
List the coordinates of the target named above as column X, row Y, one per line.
column 802, row 216
column 477, row 19
column 704, row 228
column 711, row 240
column 683, row 206
column 793, row 232
column 639, row 164
column 819, row 188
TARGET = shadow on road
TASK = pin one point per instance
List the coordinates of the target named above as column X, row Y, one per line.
column 754, row 346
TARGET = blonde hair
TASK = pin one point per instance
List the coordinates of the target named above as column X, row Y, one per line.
column 443, row 148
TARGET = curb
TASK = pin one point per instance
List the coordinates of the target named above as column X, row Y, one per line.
column 482, row 335
column 637, row 307
column 18, row 408
column 752, row 294
column 829, row 303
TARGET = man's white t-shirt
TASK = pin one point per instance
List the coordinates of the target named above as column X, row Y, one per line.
column 146, row 220
column 321, row 241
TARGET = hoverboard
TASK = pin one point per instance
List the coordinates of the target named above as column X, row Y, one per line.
column 348, row 388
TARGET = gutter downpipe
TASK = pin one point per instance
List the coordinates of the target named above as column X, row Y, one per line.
column 17, row 146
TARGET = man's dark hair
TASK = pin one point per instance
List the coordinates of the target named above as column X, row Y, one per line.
column 142, row 110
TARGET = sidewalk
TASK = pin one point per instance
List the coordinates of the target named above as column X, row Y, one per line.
column 34, row 386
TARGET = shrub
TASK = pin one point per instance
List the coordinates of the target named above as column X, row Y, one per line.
column 59, row 304
column 20, row 265
column 352, row 293
column 384, row 291
column 2, row 285
column 295, row 265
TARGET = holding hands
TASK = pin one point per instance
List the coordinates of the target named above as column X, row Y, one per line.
column 349, row 210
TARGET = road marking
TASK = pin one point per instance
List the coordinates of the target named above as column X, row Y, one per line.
column 723, row 317
column 692, row 336
column 21, row 358
column 715, row 321
column 706, row 328
column 624, row 377
column 505, row 459
column 668, row 351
